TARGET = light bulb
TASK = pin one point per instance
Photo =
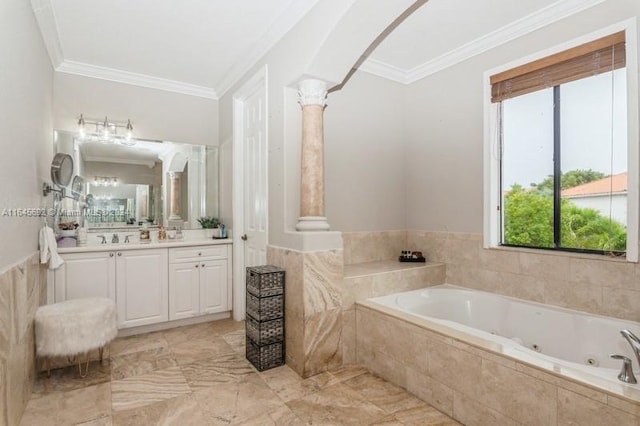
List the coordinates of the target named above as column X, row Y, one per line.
column 105, row 129
column 81, row 130
column 129, row 133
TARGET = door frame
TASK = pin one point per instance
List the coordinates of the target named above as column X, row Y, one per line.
column 255, row 83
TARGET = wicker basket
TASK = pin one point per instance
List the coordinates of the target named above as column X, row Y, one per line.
column 265, row 332
column 265, row 308
column 265, row 357
column 263, row 281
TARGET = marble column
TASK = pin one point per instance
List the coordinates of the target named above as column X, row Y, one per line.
column 175, row 202
column 312, row 98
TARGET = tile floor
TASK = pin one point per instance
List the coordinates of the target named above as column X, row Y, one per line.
column 198, row 375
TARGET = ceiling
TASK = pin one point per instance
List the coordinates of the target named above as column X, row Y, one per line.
column 202, row 47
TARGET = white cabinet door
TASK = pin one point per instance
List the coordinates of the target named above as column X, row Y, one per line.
column 184, row 290
column 85, row 275
column 142, row 287
column 213, row 286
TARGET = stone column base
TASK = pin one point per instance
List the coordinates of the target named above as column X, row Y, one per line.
column 312, row 223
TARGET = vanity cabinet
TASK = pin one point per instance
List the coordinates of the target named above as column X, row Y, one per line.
column 149, row 285
column 141, row 285
column 85, row 275
column 199, row 281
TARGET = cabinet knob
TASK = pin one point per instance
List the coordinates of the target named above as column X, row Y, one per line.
column 199, row 254
column 197, row 266
column 203, row 265
column 244, row 237
column 119, row 254
column 110, row 254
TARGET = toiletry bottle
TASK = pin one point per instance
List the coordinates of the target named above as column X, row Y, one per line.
column 162, row 234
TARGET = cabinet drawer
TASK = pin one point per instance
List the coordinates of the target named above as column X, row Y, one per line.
column 200, row 252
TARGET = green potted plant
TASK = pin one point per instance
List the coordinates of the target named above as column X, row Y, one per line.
column 209, row 224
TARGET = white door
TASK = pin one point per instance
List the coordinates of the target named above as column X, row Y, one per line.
column 85, row 275
column 255, row 178
column 213, row 286
column 250, row 159
column 184, row 290
column 142, row 286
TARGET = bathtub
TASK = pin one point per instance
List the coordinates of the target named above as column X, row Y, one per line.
column 566, row 342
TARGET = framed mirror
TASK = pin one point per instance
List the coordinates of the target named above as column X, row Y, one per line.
column 149, row 183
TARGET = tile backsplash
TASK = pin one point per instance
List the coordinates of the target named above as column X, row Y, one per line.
column 594, row 284
column 22, row 290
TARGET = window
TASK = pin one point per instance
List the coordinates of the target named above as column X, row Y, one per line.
column 560, row 152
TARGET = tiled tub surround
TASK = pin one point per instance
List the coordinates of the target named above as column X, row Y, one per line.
column 313, row 308
column 366, row 247
column 590, row 283
column 365, row 280
column 22, row 291
column 469, row 379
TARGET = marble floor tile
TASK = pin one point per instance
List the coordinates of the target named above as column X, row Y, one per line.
column 289, row 386
column 225, row 368
column 231, row 403
column 70, row 407
column 137, row 363
column 348, row 372
column 228, row 326
column 100, row 421
column 424, row 415
column 336, row 405
column 182, row 410
column 237, row 340
column 163, row 378
column 282, row 416
column 148, row 388
column 68, row 378
column 194, row 350
column 141, row 342
column 385, row 395
column 187, row 333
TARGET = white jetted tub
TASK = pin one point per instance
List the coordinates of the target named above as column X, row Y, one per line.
column 541, row 334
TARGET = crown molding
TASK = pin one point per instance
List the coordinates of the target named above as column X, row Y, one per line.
column 135, row 79
column 46, row 19
column 285, row 22
column 382, row 69
column 532, row 22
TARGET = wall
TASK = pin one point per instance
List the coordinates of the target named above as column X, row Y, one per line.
column 351, row 124
column 445, row 124
column 155, row 114
column 25, row 132
column 445, row 186
column 26, row 83
column 364, row 155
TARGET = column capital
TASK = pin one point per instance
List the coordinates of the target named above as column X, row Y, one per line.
column 312, row 92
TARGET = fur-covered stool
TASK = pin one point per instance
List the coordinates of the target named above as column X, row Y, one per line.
column 75, row 327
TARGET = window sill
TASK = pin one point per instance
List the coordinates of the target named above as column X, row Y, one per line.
column 567, row 254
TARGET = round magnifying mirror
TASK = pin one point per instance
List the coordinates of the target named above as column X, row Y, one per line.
column 77, row 187
column 61, row 169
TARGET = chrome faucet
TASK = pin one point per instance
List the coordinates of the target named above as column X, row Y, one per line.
column 104, row 239
column 626, row 374
column 126, row 238
column 115, row 239
column 634, row 341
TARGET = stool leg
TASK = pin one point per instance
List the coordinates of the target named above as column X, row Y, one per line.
column 86, row 369
column 101, row 352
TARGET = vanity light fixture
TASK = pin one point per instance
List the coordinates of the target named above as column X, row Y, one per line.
column 105, row 131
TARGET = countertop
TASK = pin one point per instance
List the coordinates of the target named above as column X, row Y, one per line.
column 136, row 245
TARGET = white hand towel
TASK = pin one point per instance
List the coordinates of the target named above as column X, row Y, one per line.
column 49, row 248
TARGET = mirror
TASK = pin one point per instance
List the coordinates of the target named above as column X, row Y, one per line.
column 61, row 169
column 149, row 183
